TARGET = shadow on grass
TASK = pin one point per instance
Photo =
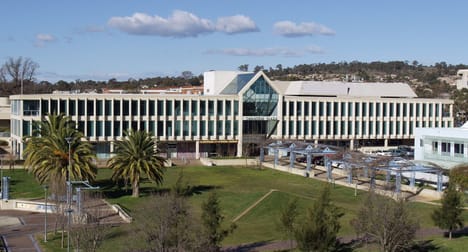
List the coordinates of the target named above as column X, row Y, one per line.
column 425, row 245
column 457, row 233
column 199, row 189
column 246, row 247
column 113, row 190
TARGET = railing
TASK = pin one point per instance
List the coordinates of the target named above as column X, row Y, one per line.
column 30, row 112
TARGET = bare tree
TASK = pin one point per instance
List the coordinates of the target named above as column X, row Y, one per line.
column 18, row 70
column 91, row 231
column 386, row 222
column 165, row 223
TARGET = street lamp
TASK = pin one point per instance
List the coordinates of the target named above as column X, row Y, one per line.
column 69, row 210
column 45, row 210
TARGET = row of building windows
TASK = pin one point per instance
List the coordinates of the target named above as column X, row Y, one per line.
column 128, row 107
column 355, row 127
column 322, row 108
column 157, row 128
column 445, row 148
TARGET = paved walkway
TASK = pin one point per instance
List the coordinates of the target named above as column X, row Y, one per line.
column 17, row 228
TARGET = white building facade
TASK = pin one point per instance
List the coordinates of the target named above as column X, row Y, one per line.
column 239, row 112
column 446, row 147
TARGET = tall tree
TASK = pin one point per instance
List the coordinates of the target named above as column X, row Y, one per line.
column 212, row 219
column 386, row 222
column 319, row 229
column 137, row 156
column 449, row 215
column 47, row 152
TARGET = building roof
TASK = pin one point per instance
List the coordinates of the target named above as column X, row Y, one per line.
column 340, row 89
column 238, row 81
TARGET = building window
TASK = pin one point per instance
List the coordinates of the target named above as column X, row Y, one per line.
column 99, row 108
column 228, row 128
column 203, row 108
column 160, row 108
column 458, row 148
column 185, row 128
column 126, row 107
column 177, row 108
column 299, row 128
column 228, row 108
column 168, row 108
column 211, row 128
column 194, row 128
column 151, row 109
column 194, row 108
column 117, row 132
column 142, row 108
column 134, row 107
column 306, row 108
column 321, row 109
column 108, row 108
column 210, row 108
column 116, row 108
column 329, row 108
column 299, row 108
column 445, row 148
column 219, row 107
column 219, row 128
column 177, row 128
column 186, row 108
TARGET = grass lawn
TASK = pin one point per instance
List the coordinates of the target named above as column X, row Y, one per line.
column 237, row 188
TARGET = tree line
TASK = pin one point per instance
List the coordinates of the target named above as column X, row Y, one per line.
column 426, row 80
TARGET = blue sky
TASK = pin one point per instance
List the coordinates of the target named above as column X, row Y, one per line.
column 103, row 39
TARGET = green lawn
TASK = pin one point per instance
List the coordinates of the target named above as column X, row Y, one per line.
column 237, row 189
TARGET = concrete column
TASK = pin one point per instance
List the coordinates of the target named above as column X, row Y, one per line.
column 351, row 144
column 309, row 164
column 412, row 180
column 292, row 155
column 197, row 149
column 439, row 181
column 262, row 154
column 327, row 164
column 350, row 173
column 276, row 157
column 398, row 182
column 385, row 142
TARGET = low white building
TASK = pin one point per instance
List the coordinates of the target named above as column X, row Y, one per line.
column 446, row 147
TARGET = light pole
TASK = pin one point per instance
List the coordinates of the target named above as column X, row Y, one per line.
column 69, row 210
column 45, row 216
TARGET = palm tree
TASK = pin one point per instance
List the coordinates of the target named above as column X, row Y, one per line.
column 47, row 152
column 136, row 156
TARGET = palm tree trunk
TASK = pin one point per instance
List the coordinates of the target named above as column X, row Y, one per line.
column 136, row 189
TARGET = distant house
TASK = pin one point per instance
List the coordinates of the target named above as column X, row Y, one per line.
column 462, row 81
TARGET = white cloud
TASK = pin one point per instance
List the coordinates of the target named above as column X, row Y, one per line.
column 180, row 24
column 262, row 52
column 291, row 29
column 236, row 24
column 42, row 39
